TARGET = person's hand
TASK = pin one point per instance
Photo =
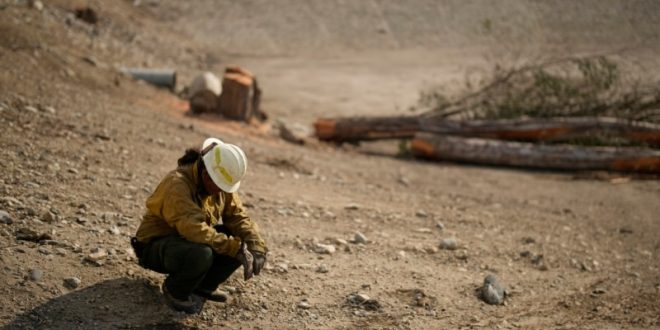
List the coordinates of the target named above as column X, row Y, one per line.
column 259, row 261
column 247, row 260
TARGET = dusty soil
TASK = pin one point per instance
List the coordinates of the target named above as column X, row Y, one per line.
column 83, row 146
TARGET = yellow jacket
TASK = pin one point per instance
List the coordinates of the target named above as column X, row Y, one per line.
column 176, row 208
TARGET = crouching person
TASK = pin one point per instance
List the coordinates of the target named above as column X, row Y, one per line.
column 196, row 230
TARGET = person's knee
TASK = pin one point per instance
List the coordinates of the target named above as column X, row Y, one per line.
column 199, row 259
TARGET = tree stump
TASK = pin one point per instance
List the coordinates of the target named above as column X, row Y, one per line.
column 241, row 95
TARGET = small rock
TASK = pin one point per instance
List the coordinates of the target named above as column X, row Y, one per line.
column 421, row 214
column 424, row 230
column 30, row 108
column 440, row 225
column 49, row 217
column 294, row 133
column 50, row 110
column 114, row 230
column 492, row 291
column 324, row 248
column 36, row 274
column 341, row 241
column 304, row 304
column 92, row 61
column 69, row 72
column 76, row 248
column 26, row 234
column 299, row 244
column 322, row 269
column 32, row 185
column 81, row 220
column 328, row 215
column 360, row 238
column 352, row 206
column 539, row 262
column 36, row 4
column 431, row 249
column 528, row 240
column 363, row 301
column 281, row 267
column 5, row 218
column 97, row 255
column 11, row 201
column 448, row 243
column 625, row 230
column 461, row 255
column 72, row 282
column 357, row 298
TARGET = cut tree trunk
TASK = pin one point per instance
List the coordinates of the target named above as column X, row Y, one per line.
column 241, row 96
column 236, row 98
column 366, row 128
column 550, row 129
column 495, row 152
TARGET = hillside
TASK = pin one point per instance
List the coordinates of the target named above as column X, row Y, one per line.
column 83, row 146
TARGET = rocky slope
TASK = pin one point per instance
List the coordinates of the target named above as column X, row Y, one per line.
column 357, row 239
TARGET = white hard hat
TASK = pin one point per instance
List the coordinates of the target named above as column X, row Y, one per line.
column 225, row 163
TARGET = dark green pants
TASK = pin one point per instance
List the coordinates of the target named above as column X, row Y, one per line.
column 190, row 266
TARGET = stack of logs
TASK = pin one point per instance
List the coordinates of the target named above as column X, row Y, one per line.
column 524, row 142
column 239, row 97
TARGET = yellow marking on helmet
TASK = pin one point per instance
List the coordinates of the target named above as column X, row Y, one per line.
column 218, row 157
column 225, row 174
column 221, row 169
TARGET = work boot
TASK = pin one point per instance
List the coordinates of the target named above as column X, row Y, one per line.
column 217, row 296
column 192, row 305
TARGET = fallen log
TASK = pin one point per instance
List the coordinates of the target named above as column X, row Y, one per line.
column 547, row 129
column 533, row 129
column 521, row 154
column 366, row 128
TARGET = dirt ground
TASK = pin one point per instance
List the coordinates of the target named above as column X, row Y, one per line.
column 83, row 146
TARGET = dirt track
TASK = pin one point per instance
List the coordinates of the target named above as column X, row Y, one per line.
column 80, row 140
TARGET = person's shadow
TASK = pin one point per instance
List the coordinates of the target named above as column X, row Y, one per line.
column 119, row 303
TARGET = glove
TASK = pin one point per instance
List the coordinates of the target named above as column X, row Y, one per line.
column 247, row 260
column 259, row 261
